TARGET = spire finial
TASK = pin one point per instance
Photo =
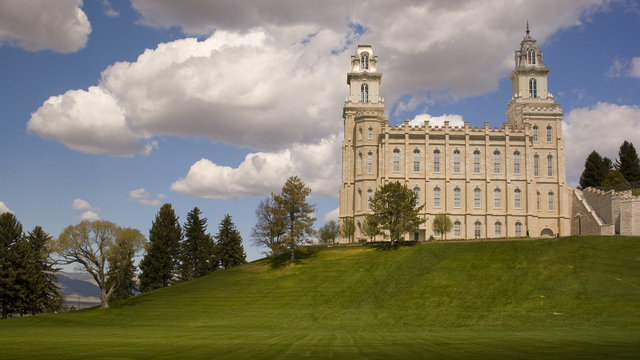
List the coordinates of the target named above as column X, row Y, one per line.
column 527, row 27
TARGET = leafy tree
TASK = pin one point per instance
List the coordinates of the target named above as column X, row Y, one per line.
column 628, row 162
column 348, row 228
column 370, row 227
column 395, row 208
column 270, row 225
column 91, row 244
column 160, row 265
column 10, row 235
column 328, row 232
column 122, row 269
column 595, row 171
column 230, row 249
column 43, row 293
column 298, row 214
column 442, row 224
column 198, row 249
column 617, row 180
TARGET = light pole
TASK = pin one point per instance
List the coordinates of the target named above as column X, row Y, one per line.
column 579, row 217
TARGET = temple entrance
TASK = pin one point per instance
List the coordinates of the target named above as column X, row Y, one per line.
column 547, row 233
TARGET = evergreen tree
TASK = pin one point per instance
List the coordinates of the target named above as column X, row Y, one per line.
column 230, row 250
column 628, row 162
column 10, row 235
column 160, row 265
column 396, row 209
column 198, row 249
column 616, row 180
column 595, row 170
column 43, row 293
column 298, row 214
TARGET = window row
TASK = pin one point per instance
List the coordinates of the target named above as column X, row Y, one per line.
column 477, row 229
column 477, row 198
column 549, row 133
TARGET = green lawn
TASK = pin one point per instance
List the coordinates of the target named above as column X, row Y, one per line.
column 572, row 298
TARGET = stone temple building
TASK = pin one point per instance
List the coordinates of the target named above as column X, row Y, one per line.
column 492, row 182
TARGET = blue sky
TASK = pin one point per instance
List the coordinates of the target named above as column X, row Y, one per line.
column 111, row 108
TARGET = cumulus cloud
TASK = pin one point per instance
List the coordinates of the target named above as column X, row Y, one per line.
column 454, row 120
column 4, row 208
column 89, row 215
column 332, row 215
column 34, row 25
column 260, row 173
column 89, row 212
column 141, row 196
column 583, row 129
column 624, row 67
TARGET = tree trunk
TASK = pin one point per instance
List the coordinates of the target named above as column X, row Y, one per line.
column 103, row 298
column 293, row 254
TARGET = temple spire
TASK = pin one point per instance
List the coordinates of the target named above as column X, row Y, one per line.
column 527, row 27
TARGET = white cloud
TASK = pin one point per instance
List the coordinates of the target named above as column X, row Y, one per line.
column 89, row 212
column 603, row 127
column 332, row 215
column 634, row 71
column 623, row 67
column 454, row 120
column 89, row 215
column 80, row 204
column 4, row 208
column 260, row 173
column 34, row 25
column 143, row 197
column 108, row 9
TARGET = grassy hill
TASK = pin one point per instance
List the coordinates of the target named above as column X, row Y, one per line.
column 573, row 298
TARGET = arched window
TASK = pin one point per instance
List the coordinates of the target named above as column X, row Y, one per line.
column 476, row 162
column 536, row 165
column 364, row 61
column 518, row 228
column 436, row 160
column 496, row 162
column 535, row 132
column 396, row 160
column 551, row 201
column 498, row 229
column 531, row 56
column 370, row 133
column 369, row 196
column 416, row 160
column 533, row 88
column 416, row 190
column 516, row 162
column 549, row 133
column 436, row 197
column 456, row 161
column 538, row 200
column 497, row 198
column 361, row 164
column 456, row 197
column 477, row 229
column 364, row 93
column 550, row 165
column 370, row 163
column 477, row 195
column 517, row 199
column 359, row 202
column 457, row 229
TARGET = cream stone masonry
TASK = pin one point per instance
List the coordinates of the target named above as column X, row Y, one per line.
column 492, row 182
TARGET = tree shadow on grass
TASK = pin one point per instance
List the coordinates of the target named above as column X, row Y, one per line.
column 283, row 258
column 386, row 245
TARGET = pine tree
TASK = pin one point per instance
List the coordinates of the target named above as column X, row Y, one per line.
column 229, row 247
column 160, row 265
column 628, row 163
column 595, row 170
column 43, row 294
column 198, row 256
column 298, row 214
column 10, row 235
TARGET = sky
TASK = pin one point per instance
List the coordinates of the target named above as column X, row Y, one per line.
column 112, row 108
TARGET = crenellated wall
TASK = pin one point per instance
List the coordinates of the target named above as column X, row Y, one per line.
column 620, row 209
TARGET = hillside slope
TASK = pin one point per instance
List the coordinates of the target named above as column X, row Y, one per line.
column 567, row 298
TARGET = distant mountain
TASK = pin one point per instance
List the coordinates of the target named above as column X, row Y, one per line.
column 78, row 289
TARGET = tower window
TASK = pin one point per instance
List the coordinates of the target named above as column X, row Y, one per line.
column 497, row 198
column 496, row 162
column 549, row 133
column 535, row 132
column 550, row 165
column 456, row 161
column 516, row 162
column 551, row 201
column 364, row 61
column 364, row 93
column 370, row 163
column 477, row 194
column 456, row 197
column 533, row 88
column 536, row 165
column 531, row 56
column 370, row 133
column 436, row 197
column 498, row 229
column 396, row 160
column 436, row 160
column 369, row 196
column 517, row 199
column 476, row 162
column 416, row 160
column 538, row 200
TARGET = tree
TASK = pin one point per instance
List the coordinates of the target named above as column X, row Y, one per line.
column 328, row 232
column 595, row 170
column 10, row 235
column 122, row 269
column 230, row 250
column 616, row 179
column 395, row 208
column 198, row 249
column 298, row 214
column 43, row 292
column 370, row 227
column 628, row 162
column 442, row 224
column 91, row 244
column 269, row 227
column 348, row 228
column 160, row 265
